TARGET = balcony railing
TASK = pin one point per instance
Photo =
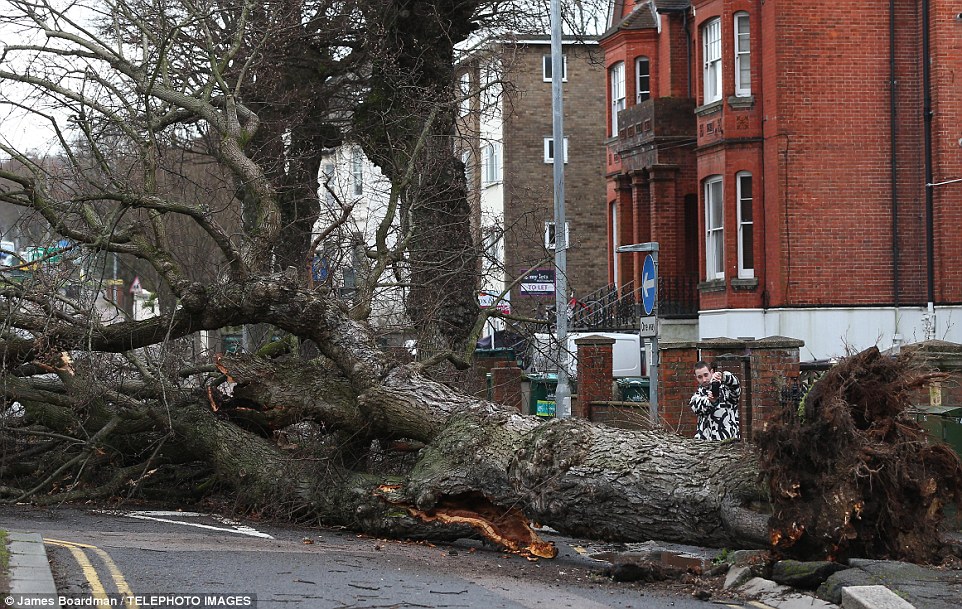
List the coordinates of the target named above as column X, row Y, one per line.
column 611, row 308
column 663, row 117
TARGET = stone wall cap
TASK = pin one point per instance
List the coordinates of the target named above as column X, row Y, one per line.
column 595, row 340
column 724, row 342
column 929, row 346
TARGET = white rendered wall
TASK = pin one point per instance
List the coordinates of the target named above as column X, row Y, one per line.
column 491, row 196
column 832, row 332
column 370, row 209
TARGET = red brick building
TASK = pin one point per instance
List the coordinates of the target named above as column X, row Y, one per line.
column 795, row 161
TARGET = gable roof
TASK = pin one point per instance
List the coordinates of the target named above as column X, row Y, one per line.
column 641, row 18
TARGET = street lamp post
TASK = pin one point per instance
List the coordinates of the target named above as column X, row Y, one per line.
column 563, row 390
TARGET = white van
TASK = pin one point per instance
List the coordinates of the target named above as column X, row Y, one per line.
column 627, row 354
column 8, row 256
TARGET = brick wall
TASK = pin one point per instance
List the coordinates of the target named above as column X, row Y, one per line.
column 506, row 386
column 676, row 383
column 764, row 367
column 947, row 146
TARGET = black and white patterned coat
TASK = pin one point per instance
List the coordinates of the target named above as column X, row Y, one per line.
column 718, row 420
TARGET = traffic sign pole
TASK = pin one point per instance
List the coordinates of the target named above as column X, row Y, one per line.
column 649, row 301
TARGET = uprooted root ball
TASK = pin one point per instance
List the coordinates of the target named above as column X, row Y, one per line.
column 851, row 473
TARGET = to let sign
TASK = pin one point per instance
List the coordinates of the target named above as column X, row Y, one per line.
column 539, row 282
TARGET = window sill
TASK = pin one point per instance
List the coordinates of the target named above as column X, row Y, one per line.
column 711, row 108
column 741, row 103
column 746, row 283
column 712, row 285
column 490, row 184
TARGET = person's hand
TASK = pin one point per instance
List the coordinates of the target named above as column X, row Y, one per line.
column 717, row 376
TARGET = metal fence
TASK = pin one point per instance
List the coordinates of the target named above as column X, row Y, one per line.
column 613, row 308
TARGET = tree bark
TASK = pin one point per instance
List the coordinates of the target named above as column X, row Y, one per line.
column 572, row 475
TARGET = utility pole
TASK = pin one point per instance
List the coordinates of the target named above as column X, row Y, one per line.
column 563, row 390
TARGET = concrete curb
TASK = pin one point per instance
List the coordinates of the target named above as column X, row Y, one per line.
column 872, row 597
column 29, row 569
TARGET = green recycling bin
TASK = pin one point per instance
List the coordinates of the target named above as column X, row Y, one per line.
column 633, row 389
column 542, row 402
column 943, row 423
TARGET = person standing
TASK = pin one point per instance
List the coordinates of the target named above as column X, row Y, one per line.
column 715, row 403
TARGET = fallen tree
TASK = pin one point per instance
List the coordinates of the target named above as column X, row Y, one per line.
column 477, row 463
column 324, row 425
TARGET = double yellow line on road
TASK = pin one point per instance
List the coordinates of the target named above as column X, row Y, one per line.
column 96, row 586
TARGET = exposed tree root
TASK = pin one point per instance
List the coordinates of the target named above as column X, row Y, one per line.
column 851, row 474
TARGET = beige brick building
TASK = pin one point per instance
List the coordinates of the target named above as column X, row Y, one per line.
column 506, row 128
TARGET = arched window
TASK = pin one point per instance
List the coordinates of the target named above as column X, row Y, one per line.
column 616, row 76
column 743, row 54
column 714, row 228
column 711, row 57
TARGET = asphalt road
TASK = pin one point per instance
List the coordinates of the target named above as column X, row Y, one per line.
column 170, row 559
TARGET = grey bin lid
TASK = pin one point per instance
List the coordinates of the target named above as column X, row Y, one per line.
column 941, row 411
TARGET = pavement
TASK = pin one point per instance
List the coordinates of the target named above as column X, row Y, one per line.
column 866, row 584
column 29, row 570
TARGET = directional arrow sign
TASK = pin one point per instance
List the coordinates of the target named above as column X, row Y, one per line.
column 649, row 285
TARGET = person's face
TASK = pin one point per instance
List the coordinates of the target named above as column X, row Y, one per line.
column 703, row 375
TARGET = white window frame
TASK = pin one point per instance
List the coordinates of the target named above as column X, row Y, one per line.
column 357, row 170
column 616, row 79
column 464, row 91
column 712, row 60
column 642, row 93
column 746, row 227
column 546, row 67
column 714, row 194
column 549, row 149
column 491, row 164
column 467, row 159
column 490, row 94
column 328, row 183
column 743, row 50
column 549, row 242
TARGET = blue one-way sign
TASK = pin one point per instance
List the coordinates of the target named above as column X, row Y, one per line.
column 649, row 285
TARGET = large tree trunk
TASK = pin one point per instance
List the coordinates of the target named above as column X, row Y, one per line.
column 407, row 122
column 572, row 475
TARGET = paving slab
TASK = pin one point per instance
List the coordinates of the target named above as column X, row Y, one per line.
column 872, row 597
column 923, row 587
column 29, row 570
column 778, row 596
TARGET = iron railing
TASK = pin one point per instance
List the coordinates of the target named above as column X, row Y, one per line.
column 612, row 308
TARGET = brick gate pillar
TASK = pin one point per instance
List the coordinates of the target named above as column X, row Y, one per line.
column 506, row 386
column 594, row 372
column 676, row 383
